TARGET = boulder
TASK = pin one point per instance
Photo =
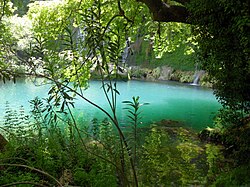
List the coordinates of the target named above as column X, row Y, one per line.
column 165, row 73
column 139, row 73
column 182, row 76
column 156, row 73
column 175, row 75
column 66, row 178
column 210, row 135
column 186, row 77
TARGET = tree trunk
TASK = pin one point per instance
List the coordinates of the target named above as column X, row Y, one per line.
column 164, row 12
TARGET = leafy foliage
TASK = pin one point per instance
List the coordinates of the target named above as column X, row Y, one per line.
column 21, row 6
column 7, row 65
column 71, row 38
column 5, row 9
column 49, row 155
column 222, row 31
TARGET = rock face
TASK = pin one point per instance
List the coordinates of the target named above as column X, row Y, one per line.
column 182, row 76
column 161, row 73
column 165, row 73
column 113, row 70
column 3, row 142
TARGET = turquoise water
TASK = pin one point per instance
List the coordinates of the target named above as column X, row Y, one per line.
column 192, row 105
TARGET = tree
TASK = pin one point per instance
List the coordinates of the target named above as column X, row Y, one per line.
column 222, row 30
column 66, row 59
column 168, row 11
column 7, row 42
column 5, row 9
column 21, row 6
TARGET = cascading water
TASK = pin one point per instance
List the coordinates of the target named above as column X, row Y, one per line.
column 197, row 77
column 126, row 52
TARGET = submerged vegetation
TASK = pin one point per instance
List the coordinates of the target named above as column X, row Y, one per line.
column 65, row 41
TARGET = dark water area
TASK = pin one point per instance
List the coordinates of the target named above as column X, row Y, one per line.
column 193, row 106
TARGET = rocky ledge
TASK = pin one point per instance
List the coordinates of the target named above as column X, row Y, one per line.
column 169, row 74
column 163, row 73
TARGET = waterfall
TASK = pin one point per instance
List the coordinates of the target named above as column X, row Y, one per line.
column 126, row 52
column 196, row 79
column 197, row 76
column 80, row 39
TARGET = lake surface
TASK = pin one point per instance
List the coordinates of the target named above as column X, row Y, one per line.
column 194, row 106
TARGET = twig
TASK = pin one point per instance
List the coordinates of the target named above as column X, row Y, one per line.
column 23, row 182
column 34, row 169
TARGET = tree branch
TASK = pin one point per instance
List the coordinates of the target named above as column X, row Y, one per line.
column 164, row 12
column 122, row 13
column 3, row 11
column 23, row 182
column 34, row 169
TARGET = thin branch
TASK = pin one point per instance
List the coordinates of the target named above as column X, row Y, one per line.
column 23, row 182
column 15, row 158
column 114, row 120
column 84, row 145
column 34, row 169
column 106, row 27
column 122, row 13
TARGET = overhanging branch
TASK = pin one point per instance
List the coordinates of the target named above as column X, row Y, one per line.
column 164, row 12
